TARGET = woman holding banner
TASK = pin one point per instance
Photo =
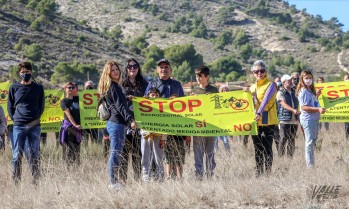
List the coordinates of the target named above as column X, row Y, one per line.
column 70, row 133
column 134, row 85
column 310, row 113
column 120, row 116
column 264, row 93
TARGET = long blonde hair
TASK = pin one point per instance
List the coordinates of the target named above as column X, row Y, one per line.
column 105, row 80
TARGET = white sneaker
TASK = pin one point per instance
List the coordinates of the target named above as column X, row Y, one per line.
column 116, row 186
column 146, row 178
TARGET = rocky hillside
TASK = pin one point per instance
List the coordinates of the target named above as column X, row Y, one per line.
column 55, row 39
column 244, row 30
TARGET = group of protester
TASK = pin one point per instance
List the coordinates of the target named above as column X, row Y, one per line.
column 278, row 109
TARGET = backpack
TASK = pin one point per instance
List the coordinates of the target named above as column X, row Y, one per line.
column 103, row 109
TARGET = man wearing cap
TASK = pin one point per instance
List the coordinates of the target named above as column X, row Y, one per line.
column 168, row 87
column 287, row 104
column 164, row 83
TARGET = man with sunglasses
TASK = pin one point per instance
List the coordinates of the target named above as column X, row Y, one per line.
column 26, row 102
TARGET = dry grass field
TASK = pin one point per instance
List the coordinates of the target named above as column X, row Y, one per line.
column 290, row 184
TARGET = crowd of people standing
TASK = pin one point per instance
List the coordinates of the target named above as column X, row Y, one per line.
column 280, row 106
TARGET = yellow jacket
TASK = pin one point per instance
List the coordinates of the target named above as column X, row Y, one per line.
column 260, row 88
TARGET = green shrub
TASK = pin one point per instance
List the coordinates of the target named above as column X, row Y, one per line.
column 240, row 37
column 311, row 49
column 128, row 19
column 224, row 66
column 36, row 24
column 116, row 33
column 33, row 52
column 226, row 15
column 284, row 38
column 224, row 38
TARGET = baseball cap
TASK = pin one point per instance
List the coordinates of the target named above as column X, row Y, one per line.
column 285, row 78
column 164, row 60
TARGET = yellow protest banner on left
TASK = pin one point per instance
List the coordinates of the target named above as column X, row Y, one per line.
column 4, row 87
column 223, row 114
column 53, row 112
column 50, row 127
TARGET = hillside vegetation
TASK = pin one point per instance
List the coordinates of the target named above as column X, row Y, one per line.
column 226, row 35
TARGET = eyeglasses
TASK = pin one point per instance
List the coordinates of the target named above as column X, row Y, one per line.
column 71, row 87
column 259, row 71
column 134, row 66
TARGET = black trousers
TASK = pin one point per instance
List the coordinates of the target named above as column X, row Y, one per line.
column 71, row 149
column 90, row 133
column 287, row 137
column 346, row 129
column 263, row 147
column 132, row 146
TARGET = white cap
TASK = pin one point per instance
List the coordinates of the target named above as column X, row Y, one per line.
column 285, row 78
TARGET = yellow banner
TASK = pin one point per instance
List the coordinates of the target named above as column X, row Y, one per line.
column 4, row 87
column 50, row 127
column 88, row 100
column 53, row 112
column 223, row 114
column 333, row 99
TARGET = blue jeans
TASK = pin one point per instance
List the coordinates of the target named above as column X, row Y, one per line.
column 21, row 134
column 151, row 151
column 204, row 146
column 117, row 137
column 225, row 141
column 311, row 128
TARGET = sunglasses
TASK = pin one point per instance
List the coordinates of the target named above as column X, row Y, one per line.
column 135, row 66
column 259, row 71
column 71, row 87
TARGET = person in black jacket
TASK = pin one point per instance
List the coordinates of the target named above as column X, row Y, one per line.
column 119, row 118
column 134, row 85
column 26, row 102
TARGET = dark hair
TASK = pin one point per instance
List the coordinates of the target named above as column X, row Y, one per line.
column 321, row 78
column 153, row 90
column 26, row 65
column 202, row 70
column 139, row 78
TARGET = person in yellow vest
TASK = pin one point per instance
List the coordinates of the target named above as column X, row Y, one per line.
column 264, row 94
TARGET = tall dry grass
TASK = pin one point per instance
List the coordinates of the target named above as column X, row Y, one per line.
column 234, row 184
